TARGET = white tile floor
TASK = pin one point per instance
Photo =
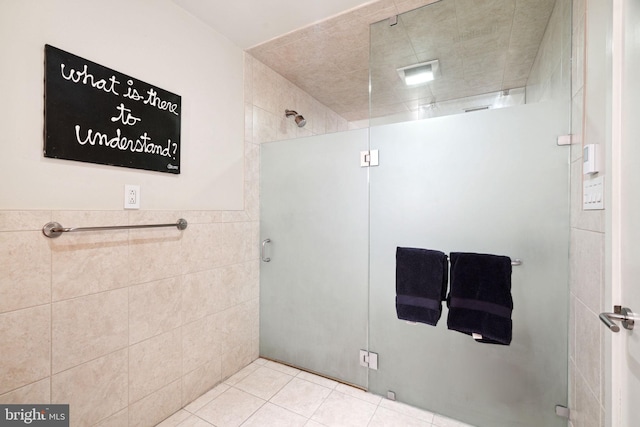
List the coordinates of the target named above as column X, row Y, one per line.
column 266, row 394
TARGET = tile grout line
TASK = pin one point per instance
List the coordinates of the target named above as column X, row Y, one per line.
column 129, row 283
column 289, row 410
column 377, row 405
column 50, row 318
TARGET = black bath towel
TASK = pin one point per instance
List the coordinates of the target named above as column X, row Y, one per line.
column 421, row 284
column 480, row 300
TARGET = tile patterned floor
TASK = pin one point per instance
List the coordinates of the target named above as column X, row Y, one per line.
column 266, row 394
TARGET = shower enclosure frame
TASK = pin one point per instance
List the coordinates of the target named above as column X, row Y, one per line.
column 320, row 249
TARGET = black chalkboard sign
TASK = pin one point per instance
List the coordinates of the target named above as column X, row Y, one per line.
column 98, row 115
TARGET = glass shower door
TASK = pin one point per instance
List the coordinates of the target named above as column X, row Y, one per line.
column 314, row 288
column 489, row 182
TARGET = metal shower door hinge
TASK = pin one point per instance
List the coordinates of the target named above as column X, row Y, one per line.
column 369, row 359
column 369, row 158
column 564, row 140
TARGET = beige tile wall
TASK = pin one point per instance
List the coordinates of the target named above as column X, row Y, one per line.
column 550, row 76
column 587, row 280
column 127, row 326
column 268, row 95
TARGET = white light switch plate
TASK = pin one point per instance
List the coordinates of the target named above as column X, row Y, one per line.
column 593, row 194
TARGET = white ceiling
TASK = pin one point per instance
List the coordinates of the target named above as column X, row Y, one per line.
column 248, row 23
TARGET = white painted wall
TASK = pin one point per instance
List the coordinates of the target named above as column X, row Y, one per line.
column 151, row 40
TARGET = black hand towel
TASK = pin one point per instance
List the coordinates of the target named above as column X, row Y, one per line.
column 480, row 300
column 421, row 284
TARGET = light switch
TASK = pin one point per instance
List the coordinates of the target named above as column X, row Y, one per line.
column 593, row 194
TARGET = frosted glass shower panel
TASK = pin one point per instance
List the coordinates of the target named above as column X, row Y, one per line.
column 489, row 182
column 313, row 291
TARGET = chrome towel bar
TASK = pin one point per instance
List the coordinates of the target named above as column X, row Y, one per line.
column 54, row 229
column 514, row 262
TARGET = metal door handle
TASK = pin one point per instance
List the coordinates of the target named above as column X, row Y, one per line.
column 262, row 251
column 619, row 313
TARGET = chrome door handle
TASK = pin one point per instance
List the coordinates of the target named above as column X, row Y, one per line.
column 619, row 313
column 262, row 251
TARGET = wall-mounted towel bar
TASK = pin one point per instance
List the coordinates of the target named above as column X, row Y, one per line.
column 514, row 262
column 54, row 229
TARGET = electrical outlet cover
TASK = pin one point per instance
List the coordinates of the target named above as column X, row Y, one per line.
column 131, row 196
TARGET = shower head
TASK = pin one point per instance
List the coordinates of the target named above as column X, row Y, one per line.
column 300, row 121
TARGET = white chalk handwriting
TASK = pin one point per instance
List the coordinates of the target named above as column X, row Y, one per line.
column 132, row 92
column 154, row 100
column 129, row 119
column 142, row 144
column 115, row 108
column 85, row 77
column 110, row 86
